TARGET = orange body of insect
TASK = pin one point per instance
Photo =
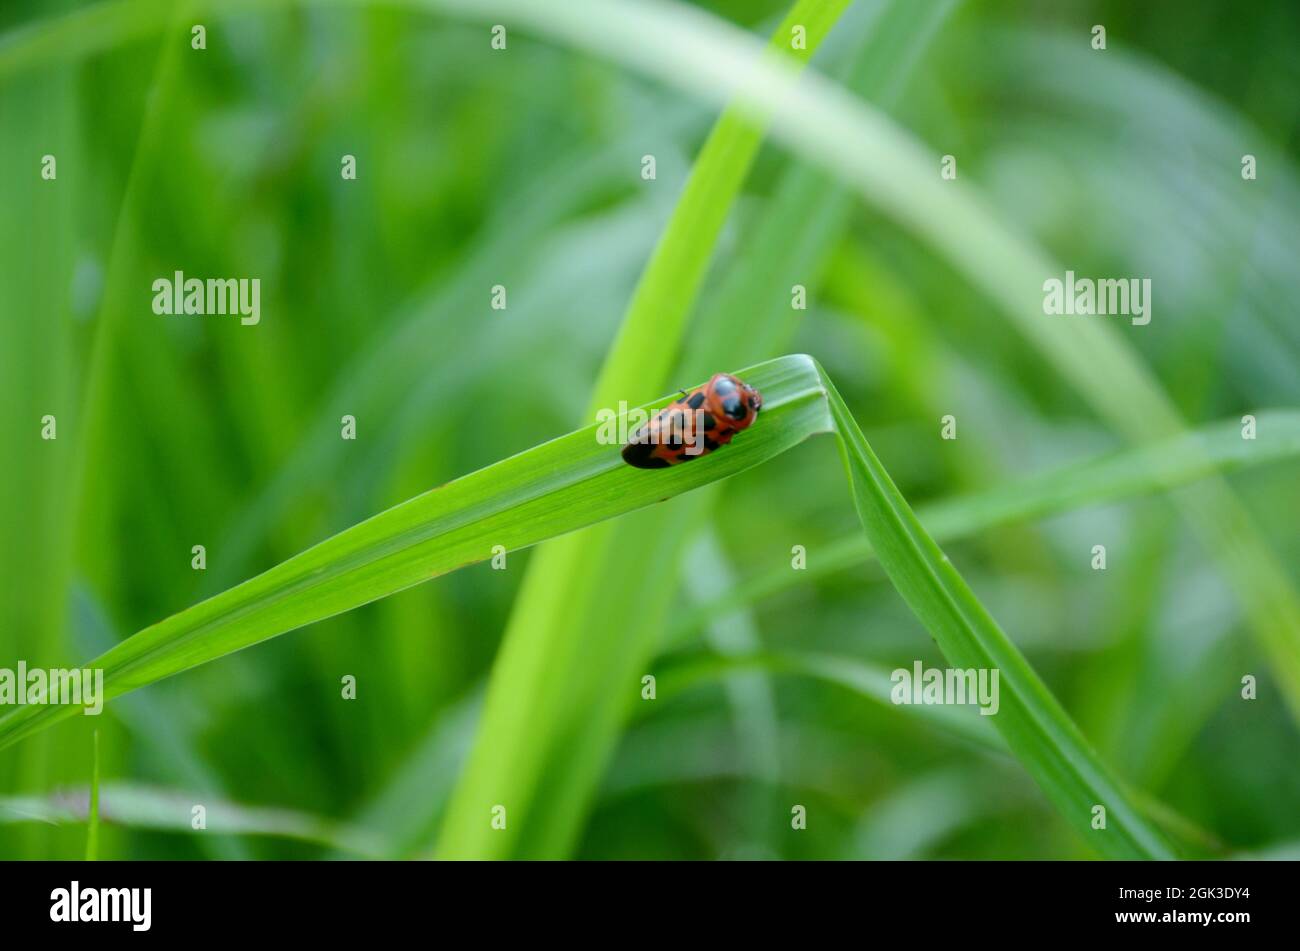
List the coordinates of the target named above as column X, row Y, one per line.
column 703, row 420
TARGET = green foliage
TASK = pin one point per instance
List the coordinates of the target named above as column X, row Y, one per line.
column 576, row 480
column 562, row 485
column 522, row 687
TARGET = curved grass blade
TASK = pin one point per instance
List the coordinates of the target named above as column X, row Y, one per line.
column 1165, row 465
column 1037, row 729
column 574, row 481
column 550, row 490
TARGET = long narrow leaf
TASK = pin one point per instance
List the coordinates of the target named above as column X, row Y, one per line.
column 550, row 490
column 1038, row 731
column 1162, row 466
column 576, row 480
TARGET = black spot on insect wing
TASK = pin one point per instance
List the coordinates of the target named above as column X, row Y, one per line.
column 639, row 454
column 672, row 429
column 696, row 401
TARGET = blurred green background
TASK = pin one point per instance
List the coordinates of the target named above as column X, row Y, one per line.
column 522, row 168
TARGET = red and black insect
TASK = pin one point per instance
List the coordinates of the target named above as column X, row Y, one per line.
column 703, row 420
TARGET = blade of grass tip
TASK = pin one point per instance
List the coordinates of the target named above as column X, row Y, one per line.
column 92, row 817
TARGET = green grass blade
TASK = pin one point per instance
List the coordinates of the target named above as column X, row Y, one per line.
column 550, row 490
column 1168, row 464
column 574, row 481
column 1038, row 731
